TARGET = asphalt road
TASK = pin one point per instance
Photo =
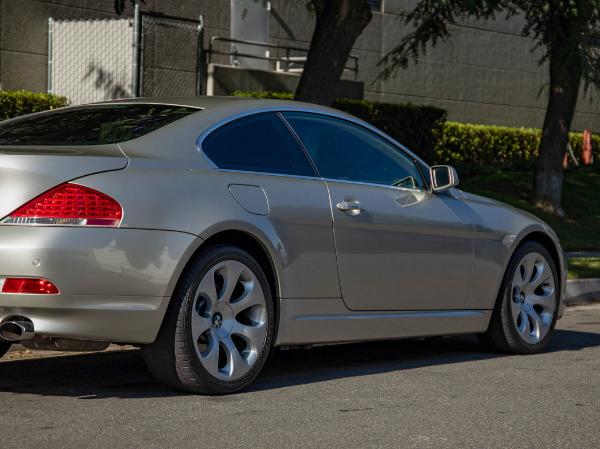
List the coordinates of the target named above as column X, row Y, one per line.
column 402, row 394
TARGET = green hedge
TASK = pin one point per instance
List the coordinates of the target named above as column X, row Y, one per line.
column 14, row 104
column 414, row 126
column 459, row 144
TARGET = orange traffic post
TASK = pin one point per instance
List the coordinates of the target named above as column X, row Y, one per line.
column 586, row 149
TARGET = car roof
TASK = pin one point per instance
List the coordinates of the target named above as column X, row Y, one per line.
column 207, row 102
column 197, row 101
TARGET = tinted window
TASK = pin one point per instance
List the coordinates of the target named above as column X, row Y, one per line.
column 345, row 151
column 90, row 124
column 260, row 143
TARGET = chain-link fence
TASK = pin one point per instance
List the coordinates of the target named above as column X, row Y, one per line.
column 90, row 60
column 170, row 52
column 149, row 55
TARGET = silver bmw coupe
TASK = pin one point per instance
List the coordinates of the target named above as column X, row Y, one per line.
column 209, row 231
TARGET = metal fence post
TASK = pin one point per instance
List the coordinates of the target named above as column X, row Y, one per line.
column 135, row 79
column 50, row 31
column 200, row 61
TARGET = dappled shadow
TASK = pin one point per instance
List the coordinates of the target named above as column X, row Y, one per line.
column 123, row 374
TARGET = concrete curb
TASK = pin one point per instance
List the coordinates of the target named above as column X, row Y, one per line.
column 582, row 291
column 583, row 254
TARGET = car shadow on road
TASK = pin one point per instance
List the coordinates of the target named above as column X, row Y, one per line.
column 123, row 374
column 324, row 363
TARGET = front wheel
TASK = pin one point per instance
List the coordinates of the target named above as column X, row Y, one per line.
column 218, row 330
column 526, row 310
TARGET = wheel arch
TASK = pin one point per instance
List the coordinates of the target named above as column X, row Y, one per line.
column 535, row 234
column 251, row 245
column 499, row 335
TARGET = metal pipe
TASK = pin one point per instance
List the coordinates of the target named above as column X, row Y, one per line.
column 285, row 59
column 200, row 57
column 135, row 88
column 17, row 330
column 50, row 61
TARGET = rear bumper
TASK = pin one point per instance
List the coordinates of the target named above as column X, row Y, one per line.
column 114, row 284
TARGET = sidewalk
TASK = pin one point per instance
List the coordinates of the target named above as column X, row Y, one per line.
column 583, row 291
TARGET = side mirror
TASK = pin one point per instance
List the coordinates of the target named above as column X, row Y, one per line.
column 443, row 177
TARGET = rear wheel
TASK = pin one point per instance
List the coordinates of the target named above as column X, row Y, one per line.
column 4, row 347
column 219, row 327
column 526, row 310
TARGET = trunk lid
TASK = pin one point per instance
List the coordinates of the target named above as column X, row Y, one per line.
column 27, row 171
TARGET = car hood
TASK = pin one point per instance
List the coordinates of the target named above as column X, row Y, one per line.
column 28, row 171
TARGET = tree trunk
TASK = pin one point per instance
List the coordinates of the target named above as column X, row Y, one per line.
column 338, row 24
column 565, row 79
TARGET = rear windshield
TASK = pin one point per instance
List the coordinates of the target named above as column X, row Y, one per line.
column 93, row 125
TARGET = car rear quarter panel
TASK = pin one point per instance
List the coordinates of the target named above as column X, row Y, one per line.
column 297, row 233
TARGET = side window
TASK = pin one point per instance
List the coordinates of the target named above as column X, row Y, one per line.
column 345, row 151
column 259, row 143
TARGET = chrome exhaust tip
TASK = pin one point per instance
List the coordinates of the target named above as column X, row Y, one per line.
column 16, row 330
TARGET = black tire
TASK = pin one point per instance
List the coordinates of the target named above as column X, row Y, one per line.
column 4, row 347
column 526, row 309
column 229, row 354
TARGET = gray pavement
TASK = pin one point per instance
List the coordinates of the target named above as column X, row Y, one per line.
column 436, row 393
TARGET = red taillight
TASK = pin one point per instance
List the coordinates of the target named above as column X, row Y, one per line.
column 28, row 285
column 69, row 204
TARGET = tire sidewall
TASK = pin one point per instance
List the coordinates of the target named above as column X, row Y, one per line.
column 521, row 345
column 210, row 259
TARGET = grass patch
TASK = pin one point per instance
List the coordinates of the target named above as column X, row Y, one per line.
column 580, row 201
column 584, row 268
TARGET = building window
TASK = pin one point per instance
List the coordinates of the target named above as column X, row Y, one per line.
column 375, row 5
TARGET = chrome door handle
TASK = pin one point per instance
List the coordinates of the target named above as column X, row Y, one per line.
column 352, row 208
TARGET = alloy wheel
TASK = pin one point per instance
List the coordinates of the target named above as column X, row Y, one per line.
column 533, row 297
column 229, row 320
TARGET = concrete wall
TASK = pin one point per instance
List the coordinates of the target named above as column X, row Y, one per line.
column 486, row 74
column 223, row 80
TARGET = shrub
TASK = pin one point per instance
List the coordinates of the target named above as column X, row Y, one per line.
column 414, row 126
column 14, row 104
column 460, row 144
column 482, row 144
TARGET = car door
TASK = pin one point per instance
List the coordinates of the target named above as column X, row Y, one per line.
column 272, row 184
column 399, row 247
